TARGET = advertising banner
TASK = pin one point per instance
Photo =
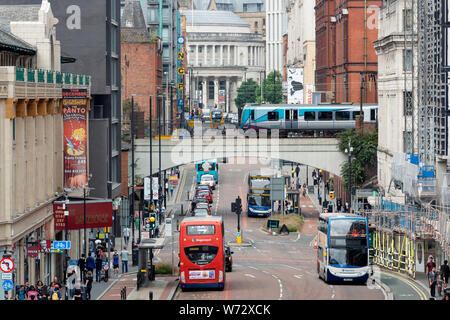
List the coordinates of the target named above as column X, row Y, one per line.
column 98, row 214
column 75, row 137
column 221, row 96
column 309, row 93
column 295, row 86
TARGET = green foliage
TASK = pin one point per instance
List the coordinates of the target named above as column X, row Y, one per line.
column 272, row 87
column 248, row 92
column 364, row 155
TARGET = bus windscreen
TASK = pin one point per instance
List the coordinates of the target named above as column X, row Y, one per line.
column 197, row 230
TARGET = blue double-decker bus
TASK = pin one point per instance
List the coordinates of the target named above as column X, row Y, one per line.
column 343, row 247
column 258, row 197
column 207, row 167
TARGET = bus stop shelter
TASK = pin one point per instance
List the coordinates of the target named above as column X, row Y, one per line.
column 145, row 260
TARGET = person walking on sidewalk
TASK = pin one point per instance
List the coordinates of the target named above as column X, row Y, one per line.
column 430, row 264
column 116, row 263
column 90, row 263
column 88, row 284
column 98, row 268
column 124, row 256
column 82, row 265
column 432, row 279
column 297, row 171
column 445, row 272
column 126, row 234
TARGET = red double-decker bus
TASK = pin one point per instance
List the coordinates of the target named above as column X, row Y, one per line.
column 202, row 263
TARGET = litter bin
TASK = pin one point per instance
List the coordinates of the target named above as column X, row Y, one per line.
column 135, row 256
column 151, row 272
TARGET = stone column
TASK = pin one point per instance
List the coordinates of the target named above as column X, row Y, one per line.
column 228, row 55
column 227, row 95
column 205, row 49
column 205, row 92
column 221, row 56
column 196, row 55
column 213, row 54
column 236, row 59
column 216, row 92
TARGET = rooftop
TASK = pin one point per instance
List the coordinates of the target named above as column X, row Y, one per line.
column 17, row 13
column 205, row 17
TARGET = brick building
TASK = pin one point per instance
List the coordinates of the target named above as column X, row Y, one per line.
column 141, row 60
column 345, row 55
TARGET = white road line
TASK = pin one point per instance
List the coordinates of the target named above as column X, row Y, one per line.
column 333, row 293
column 298, row 276
column 249, row 275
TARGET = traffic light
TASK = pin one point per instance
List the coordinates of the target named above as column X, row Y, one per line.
column 152, row 223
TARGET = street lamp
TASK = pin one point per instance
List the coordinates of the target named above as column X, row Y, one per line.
column 85, row 188
column 349, row 152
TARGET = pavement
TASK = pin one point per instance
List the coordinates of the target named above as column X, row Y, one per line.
column 163, row 288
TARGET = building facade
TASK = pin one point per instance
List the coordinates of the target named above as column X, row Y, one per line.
column 301, row 43
column 31, row 139
column 142, row 70
column 222, row 52
column 345, row 56
column 276, row 20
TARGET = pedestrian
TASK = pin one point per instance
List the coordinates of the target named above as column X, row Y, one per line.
column 124, row 256
column 297, row 171
column 56, row 293
column 439, row 282
column 430, row 264
column 90, row 263
column 32, row 293
column 78, row 294
column 445, row 272
column 126, row 234
column 297, row 185
column 56, row 282
column 171, row 191
column 21, row 294
column 98, row 268
column 116, row 263
column 432, row 279
column 43, row 294
column 157, row 232
column 39, row 286
column 88, row 284
column 82, row 266
column 166, row 186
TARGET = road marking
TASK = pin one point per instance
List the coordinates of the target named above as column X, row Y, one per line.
column 298, row 276
column 281, row 286
column 249, row 275
column 333, row 293
column 417, row 289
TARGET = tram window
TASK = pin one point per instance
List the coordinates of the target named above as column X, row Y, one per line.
column 287, row 114
column 310, row 116
column 272, row 116
column 325, row 116
column 373, row 115
column 252, row 114
column 294, row 114
column 342, row 115
column 356, row 114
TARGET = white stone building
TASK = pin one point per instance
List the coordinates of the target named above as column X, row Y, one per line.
column 31, row 138
column 397, row 98
column 301, row 34
column 276, row 22
column 222, row 52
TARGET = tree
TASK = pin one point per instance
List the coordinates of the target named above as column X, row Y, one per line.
column 364, row 155
column 247, row 93
column 272, row 87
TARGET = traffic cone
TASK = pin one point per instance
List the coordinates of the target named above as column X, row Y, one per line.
column 315, row 243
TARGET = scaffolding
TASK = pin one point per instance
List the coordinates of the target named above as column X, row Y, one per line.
column 432, row 104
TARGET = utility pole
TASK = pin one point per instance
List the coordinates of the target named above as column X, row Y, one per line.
column 132, row 167
column 150, row 201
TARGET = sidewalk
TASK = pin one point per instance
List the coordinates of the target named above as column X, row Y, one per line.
column 163, row 287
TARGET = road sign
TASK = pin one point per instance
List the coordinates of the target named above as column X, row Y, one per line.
column 277, row 189
column 180, row 86
column 331, row 195
column 180, row 55
column 181, row 70
column 7, row 265
column 147, row 182
column 7, row 285
column 180, row 102
column 7, row 276
column 180, row 40
column 61, row 245
column 168, row 229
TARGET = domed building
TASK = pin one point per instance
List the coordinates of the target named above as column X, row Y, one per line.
column 221, row 52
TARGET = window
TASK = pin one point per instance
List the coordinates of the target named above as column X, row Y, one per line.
column 342, row 115
column 407, row 60
column 114, row 169
column 200, row 49
column 165, row 34
column 325, row 116
column 407, row 19
column 287, row 114
column 114, row 42
column 201, row 255
column 256, row 24
column 407, row 142
column 252, row 114
column 310, row 116
column 272, row 116
column 152, row 16
column 114, row 72
column 355, row 114
column 407, row 103
column 373, row 114
column 195, row 230
column 211, row 90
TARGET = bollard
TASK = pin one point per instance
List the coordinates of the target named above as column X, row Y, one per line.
column 150, row 295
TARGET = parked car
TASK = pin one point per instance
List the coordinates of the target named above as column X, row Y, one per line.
column 204, row 194
column 208, row 179
column 203, row 205
column 228, row 258
column 200, row 212
column 204, row 187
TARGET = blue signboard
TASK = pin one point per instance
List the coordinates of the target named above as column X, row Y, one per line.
column 7, row 285
column 61, row 245
column 181, row 102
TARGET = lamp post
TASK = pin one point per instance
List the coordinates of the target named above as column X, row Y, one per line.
column 132, row 167
column 150, row 201
column 66, row 237
column 349, row 152
column 86, row 190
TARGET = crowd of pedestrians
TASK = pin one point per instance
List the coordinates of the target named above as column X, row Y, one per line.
column 39, row 291
column 438, row 279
